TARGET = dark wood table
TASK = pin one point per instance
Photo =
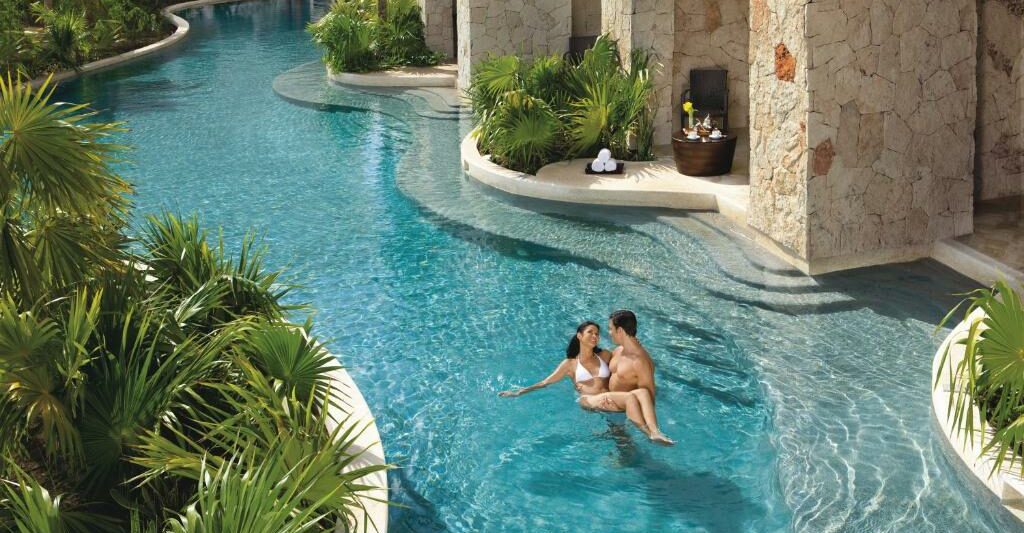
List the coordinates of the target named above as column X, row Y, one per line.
column 705, row 156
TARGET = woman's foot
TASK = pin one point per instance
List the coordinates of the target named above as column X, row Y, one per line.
column 661, row 438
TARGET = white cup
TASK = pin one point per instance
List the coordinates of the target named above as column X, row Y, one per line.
column 716, row 134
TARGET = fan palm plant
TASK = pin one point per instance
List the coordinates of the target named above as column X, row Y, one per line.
column 179, row 254
column 346, row 35
column 991, row 374
column 523, row 132
column 531, row 114
column 492, row 79
column 62, row 206
column 109, row 356
column 42, row 366
column 67, row 38
column 27, row 507
column 261, row 417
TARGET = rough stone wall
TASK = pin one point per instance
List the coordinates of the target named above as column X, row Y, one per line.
column 586, row 17
column 647, row 25
column 438, row 29
column 779, row 105
column 1000, row 135
column 891, row 123
column 713, row 33
column 528, row 28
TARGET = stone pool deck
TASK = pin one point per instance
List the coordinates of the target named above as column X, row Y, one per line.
column 642, row 184
column 654, row 184
column 657, row 184
column 439, row 76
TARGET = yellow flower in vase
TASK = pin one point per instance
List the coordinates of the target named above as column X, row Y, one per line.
column 688, row 108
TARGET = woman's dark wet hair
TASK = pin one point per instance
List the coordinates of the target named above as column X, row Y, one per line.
column 573, row 349
column 626, row 320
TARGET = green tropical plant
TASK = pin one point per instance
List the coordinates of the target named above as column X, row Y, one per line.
column 401, row 36
column 990, row 376
column 492, row 79
column 67, row 38
column 529, row 114
column 523, row 132
column 27, row 507
column 174, row 348
column 346, row 34
column 356, row 38
column 62, row 205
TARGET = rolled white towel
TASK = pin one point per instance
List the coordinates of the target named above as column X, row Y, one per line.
column 610, row 165
column 604, row 155
column 597, row 165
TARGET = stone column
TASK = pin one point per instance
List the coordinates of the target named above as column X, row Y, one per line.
column 438, row 26
column 779, row 105
column 1000, row 135
column 527, row 28
column 647, row 25
column 863, row 115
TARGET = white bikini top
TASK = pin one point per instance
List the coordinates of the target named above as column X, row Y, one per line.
column 582, row 374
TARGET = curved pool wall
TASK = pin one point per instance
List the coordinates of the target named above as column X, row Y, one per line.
column 799, row 404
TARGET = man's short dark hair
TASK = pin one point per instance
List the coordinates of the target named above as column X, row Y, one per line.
column 626, row 320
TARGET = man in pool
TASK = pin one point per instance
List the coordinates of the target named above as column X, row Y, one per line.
column 632, row 369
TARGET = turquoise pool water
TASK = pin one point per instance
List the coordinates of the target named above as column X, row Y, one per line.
column 798, row 404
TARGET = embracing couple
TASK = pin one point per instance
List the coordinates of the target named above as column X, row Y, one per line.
column 621, row 380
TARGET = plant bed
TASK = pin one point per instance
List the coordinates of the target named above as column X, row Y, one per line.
column 530, row 114
column 151, row 380
column 355, row 39
column 978, row 388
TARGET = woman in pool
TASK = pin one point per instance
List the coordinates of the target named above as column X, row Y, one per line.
column 587, row 366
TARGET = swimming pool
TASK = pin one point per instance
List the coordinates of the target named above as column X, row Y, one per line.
column 797, row 404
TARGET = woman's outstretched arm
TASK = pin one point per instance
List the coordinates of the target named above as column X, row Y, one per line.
column 559, row 373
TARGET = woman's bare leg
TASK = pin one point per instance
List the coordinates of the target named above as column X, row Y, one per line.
column 646, row 403
column 636, row 404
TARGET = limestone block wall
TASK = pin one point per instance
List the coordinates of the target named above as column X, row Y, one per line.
column 647, row 25
column 890, row 125
column 438, row 29
column 586, row 17
column 528, row 28
column 779, row 106
column 713, row 33
column 1000, row 135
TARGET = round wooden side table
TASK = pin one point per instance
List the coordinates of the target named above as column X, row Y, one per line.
column 704, row 156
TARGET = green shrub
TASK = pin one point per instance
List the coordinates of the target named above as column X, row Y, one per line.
column 67, row 41
column 74, row 31
column 593, row 104
column 159, row 382
column 991, row 374
column 355, row 39
column 346, row 35
column 401, row 38
column 523, row 132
